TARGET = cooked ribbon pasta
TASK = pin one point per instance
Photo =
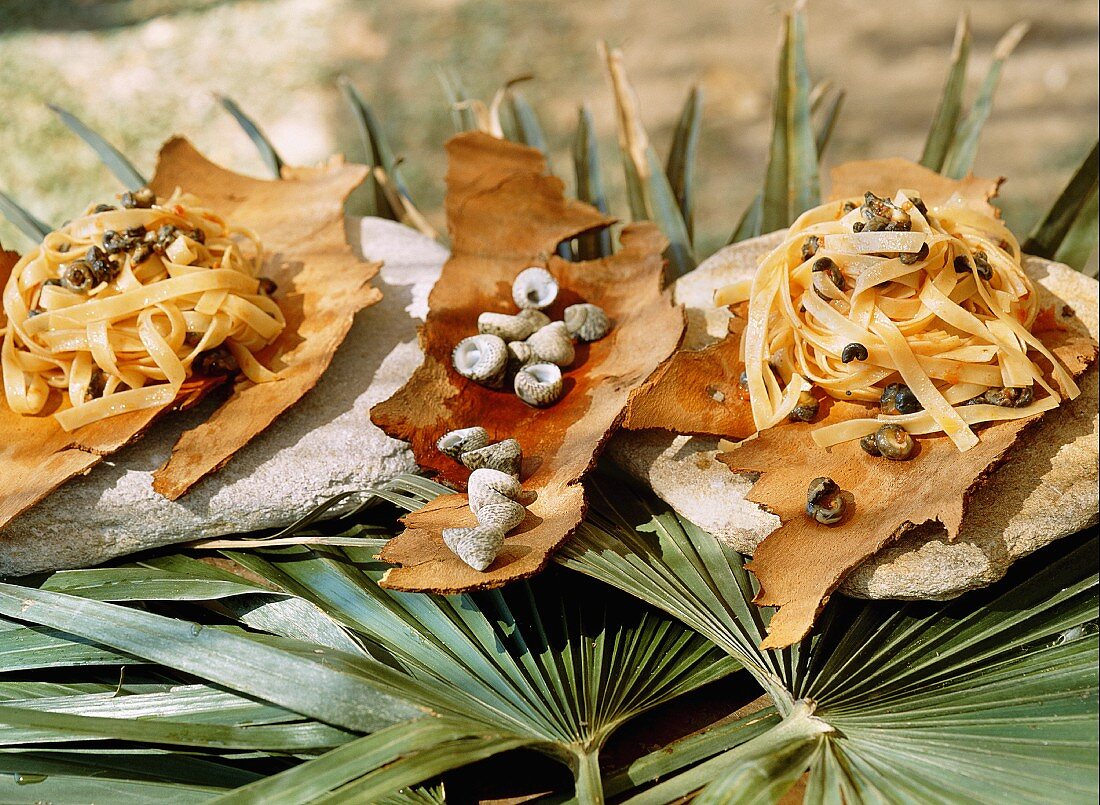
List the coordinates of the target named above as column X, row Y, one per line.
column 119, row 308
column 867, row 294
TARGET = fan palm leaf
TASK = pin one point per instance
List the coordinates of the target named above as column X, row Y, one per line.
column 985, row 698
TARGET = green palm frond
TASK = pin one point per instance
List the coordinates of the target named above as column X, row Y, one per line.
column 557, row 664
column 680, row 167
column 942, row 133
column 986, row 697
column 589, row 185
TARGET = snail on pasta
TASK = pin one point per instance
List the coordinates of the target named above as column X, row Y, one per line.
column 926, row 311
column 116, row 310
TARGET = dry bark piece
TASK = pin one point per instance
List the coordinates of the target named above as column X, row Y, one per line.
column 37, row 455
column 321, row 286
column 884, row 177
column 505, row 214
column 802, row 563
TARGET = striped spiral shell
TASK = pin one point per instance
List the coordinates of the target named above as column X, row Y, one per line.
column 477, row 546
column 487, row 486
column 482, row 358
column 534, row 287
column 539, row 384
column 553, row 344
column 586, row 321
column 506, row 326
column 504, row 456
column 457, row 442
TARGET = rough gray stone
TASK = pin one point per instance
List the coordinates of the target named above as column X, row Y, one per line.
column 323, row 446
column 1047, row 490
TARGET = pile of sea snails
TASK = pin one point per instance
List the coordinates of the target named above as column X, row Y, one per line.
column 527, row 349
column 496, row 497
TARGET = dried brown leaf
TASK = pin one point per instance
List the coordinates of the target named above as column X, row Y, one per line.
column 321, row 286
column 506, row 213
column 886, row 176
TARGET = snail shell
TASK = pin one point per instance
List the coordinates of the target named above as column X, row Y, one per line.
column 539, row 384
column 553, row 344
column 457, row 442
column 519, row 354
column 534, row 287
column 482, row 358
column 506, row 326
column 487, row 486
column 504, row 456
column 477, row 546
column 536, row 318
column 505, row 515
column 587, row 322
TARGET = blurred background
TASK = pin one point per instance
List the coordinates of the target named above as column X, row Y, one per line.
column 141, row 70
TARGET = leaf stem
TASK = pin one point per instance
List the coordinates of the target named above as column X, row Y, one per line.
column 586, row 772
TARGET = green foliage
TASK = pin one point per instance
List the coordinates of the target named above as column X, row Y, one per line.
column 1068, row 232
column 680, row 168
column 986, row 697
column 264, row 146
column 118, row 164
column 589, row 184
column 23, row 220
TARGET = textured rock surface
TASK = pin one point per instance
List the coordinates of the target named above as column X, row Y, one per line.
column 1047, row 489
column 323, row 446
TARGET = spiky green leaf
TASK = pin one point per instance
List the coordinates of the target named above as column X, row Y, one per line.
column 22, row 220
column 589, row 184
column 114, row 159
column 946, row 121
column 680, row 168
column 1070, row 223
column 264, row 146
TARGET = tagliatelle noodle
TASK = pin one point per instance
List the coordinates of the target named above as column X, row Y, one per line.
column 939, row 300
column 130, row 342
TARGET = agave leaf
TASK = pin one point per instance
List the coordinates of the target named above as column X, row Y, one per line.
column 311, row 685
column 964, row 147
column 680, row 168
column 1069, row 214
column 986, row 697
column 263, row 145
column 528, row 129
column 23, row 220
column 118, row 164
column 1080, row 241
column 648, row 189
column 589, row 185
column 462, row 114
column 376, row 149
column 827, row 125
column 942, row 134
column 791, row 184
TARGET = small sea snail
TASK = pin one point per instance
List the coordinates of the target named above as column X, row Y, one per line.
column 482, row 358
column 534, row 287
column 806, row 409
column 853, row 352
column 824, row 501
column 898, row 398
column 1009, row 396
column 553, row 344
column 78, row 276
column 539, row 384
column 893, row 442
column 825, row 267
column 456, row 442
column 586, row 321
column 139, row 199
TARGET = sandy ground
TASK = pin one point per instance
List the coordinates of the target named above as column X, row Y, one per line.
column 139, row 79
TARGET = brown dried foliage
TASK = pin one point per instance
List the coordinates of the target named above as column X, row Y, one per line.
column 506, row 213
column 321, row 286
